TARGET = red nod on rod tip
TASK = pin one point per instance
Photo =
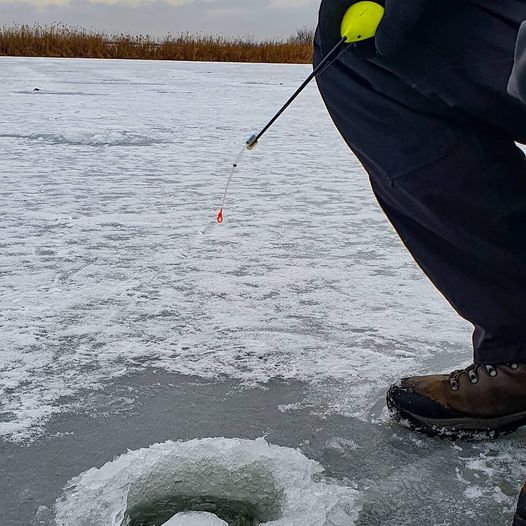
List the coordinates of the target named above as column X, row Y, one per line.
column 220, row 216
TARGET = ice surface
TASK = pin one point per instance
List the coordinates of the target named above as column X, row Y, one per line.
column 111, row 262
column 277, row 486
column 195, row 518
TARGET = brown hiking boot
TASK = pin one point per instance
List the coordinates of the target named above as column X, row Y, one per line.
column 482, row 401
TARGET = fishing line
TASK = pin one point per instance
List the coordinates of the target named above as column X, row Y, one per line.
column 232, row 170
column 253, row 140
column 359, row 23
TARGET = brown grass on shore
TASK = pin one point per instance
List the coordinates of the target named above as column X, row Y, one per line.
column 64, row 41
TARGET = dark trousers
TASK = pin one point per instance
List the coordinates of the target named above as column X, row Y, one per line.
column 435, row 129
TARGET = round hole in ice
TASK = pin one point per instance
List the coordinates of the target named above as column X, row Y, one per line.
column 241, row 482
column 195, row 518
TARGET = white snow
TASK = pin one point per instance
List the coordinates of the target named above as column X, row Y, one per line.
column 280, row 483
column 111, row 262
column 195, row 518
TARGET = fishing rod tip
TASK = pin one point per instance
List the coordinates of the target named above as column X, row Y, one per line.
column 252, row 142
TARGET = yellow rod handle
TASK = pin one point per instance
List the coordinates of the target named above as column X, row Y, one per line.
column 361, row 21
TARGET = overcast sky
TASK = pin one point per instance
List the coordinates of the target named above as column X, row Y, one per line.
column 259, row 18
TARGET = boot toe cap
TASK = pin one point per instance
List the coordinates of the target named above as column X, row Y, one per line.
column 403, row 398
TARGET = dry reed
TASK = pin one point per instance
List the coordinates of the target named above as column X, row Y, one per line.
column 64, row 41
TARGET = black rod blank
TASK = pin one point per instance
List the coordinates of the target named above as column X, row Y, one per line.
column 332, row 54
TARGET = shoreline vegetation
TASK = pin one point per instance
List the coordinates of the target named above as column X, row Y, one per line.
column 75, row 42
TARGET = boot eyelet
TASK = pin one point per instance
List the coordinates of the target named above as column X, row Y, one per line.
column 454, row 384
column 491, row 370
column 474, row 379
column 514, row 366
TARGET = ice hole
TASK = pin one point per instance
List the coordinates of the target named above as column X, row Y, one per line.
column 240, row 482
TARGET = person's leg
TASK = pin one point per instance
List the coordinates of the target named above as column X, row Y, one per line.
column 463, row 218
column 456, row 193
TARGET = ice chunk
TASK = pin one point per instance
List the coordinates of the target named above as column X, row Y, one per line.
column 195, row 518
column 242, row 481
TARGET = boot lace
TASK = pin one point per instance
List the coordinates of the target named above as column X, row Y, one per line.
column 472, row 372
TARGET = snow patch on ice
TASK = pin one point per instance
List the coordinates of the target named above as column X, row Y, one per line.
column 102, row 137
column 474, row 492
column 494, row 494
column 342, row 445
column 480, row 464
column 278, row 486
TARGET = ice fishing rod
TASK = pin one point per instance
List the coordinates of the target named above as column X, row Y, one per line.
column 327, row 61
column 360, row 22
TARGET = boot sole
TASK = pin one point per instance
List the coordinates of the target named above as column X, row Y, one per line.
column 459, row 428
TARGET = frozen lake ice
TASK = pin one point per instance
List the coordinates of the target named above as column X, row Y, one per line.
column 113, row 271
